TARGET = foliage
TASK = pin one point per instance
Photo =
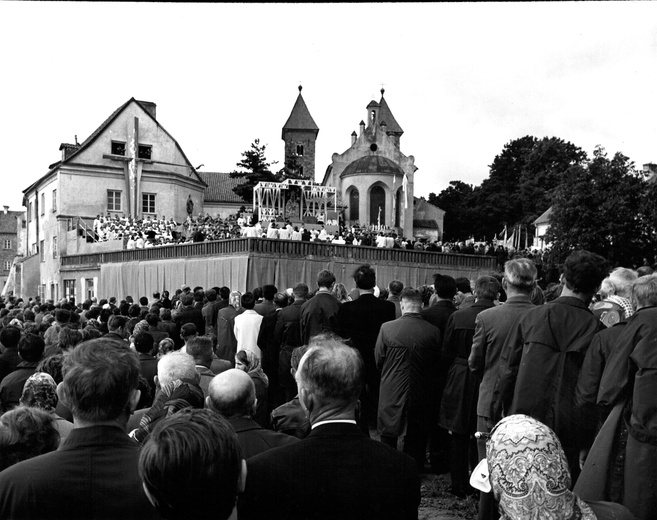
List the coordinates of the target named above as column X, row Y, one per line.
column 255, row 169
column 603, row 206
column 455, row 201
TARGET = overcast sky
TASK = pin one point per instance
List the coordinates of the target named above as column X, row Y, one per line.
column 462, row 79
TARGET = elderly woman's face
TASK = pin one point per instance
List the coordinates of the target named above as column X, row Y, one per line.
column 239, row 365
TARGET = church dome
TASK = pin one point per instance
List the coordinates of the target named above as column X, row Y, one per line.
column 373, row 164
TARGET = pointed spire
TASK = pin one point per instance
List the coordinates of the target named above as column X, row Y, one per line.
column 386, row 115
column 300, row 118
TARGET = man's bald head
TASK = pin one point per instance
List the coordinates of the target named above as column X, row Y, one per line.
column 232, row 394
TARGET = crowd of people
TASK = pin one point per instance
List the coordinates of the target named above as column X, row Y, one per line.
column 330, row 401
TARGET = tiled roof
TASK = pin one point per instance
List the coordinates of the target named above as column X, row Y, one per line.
column 220, row 187
column 8, row 221
column 386, row 115
column 373, row 164
column 425, row 224
column 300, row 118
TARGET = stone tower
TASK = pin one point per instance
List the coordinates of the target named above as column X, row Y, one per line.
column 300, row 133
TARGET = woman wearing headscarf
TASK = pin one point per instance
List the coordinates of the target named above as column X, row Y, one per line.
column 530, row 477
column 40, row 391
column 249, row 362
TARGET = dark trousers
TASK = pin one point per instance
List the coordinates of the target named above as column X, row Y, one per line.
column 464, row 455
column 415, row 440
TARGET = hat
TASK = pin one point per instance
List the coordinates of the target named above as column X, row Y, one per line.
column 185, row 287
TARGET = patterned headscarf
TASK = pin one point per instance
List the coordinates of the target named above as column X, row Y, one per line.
column 40, row 391
column 141, row 326
column 529, row 472
column 173, row 397
column 253, row 366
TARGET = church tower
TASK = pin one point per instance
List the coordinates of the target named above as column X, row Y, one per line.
column 300, row 133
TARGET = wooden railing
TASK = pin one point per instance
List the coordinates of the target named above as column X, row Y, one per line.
column 282, row 248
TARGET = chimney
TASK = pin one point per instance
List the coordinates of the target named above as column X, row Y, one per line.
column 353, row 138
column 6, row 209
column 362, row 127
column 150, row 107
column 68, row 149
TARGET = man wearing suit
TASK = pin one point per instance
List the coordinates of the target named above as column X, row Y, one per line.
column 335, row 472
column 233, row 395
column 226, row 341
column 287, row 336
column 318, row 314
column 491, row 329
column 360, row 321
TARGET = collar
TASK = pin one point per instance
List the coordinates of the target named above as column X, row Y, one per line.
column 333, row 421
column 572, row 301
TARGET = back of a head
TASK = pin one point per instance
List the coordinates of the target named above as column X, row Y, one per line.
column 69, row 338
column 200, row 348
column 134, row 311
column 31, row 347
column 116, row 322
column 10, row 336
column 365, row 277
column 644, row 291
column 644, row 270
column 232, row 393
column 300, row 291
column 487, row 288
column 395, row 287
column 520, row 273
column 166, row 314
column 268, row 292
column 445, row 286
column 188, row 330
column 211, row 295
column 623, row 278
column 99, row 377
column 176, row 365
column 280, row 300
column 248, row 301
column 412, row 298
column 187, row 299
column 26, row 432
column 143, row 342
column 143, row 300
column 463, row 285
column 224, row 293
column 325, row 278
column 584, row 271
column 191, row 466
column 331, row 370
column 152, row 319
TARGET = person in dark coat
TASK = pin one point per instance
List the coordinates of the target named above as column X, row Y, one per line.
column 358, row 477
column 458, row 410
column 407, row 353
column 143, row 342
column 270, row 349
column 287, row 335
column 318, row 314
column 544, row 352
column 30, row 349
column 226, row 340
column 9, row 359
column 491, row 329
column 188, row 314
column 438, row 314
column 233, row 395
column 360, row 321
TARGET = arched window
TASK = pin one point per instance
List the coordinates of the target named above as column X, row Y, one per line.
column 377, row 206
column 353, row 205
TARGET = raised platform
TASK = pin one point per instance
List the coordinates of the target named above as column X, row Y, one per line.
column 245, row 263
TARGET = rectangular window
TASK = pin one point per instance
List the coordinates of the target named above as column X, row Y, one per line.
column 113, row 200
column 29, row 212
column 7, row 265
column 42, row 250
column 300, row 150
column 34, row 249
column 54, row 200
column 43, row 204
column 90, row 288
column 6, row 244
column 54, row 247
column 148, row 203
column 118, row 148
column 144, row 151
column 69, row 289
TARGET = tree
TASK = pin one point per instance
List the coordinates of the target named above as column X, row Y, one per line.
column 456, row 202
column 255, row 169
column 600, row 206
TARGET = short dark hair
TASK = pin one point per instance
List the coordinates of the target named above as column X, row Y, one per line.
column 52, row 365
column 211, row 295
column 463, row 285
column 31, row 347
column 584, row 271
column 143, row 342
column 116, row 322
column 166, row 314
column 152, row 319
column 300, row 290
column 395, row 287
column 248, row 300
column 365, row 277
column 487, row 288
column 224, row 293
column 10, row 336
column 325, row 278
column 191, row 464
column 187, row 299
column 143, row 300
column 188, row 329
column 200, row 348
column 268, row 292
column 99, row 376
column 445, row 286
column 69, row 338
column 280, row 300
column 412, row 295
column 156, row 295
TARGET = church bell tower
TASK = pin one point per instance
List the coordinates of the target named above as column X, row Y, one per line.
column 300, row 133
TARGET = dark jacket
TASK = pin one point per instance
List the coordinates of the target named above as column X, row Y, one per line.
column 358, row 478
column 9, row 360
column 11, row 387
column 254, row 439
column 438, row 314
column 458, row 410
column 290, row 418
column 541, row 362
column 318, row 315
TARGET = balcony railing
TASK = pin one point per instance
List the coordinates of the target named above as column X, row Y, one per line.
column 282, row 248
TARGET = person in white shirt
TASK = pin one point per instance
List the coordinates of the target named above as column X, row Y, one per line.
column 247, row 326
